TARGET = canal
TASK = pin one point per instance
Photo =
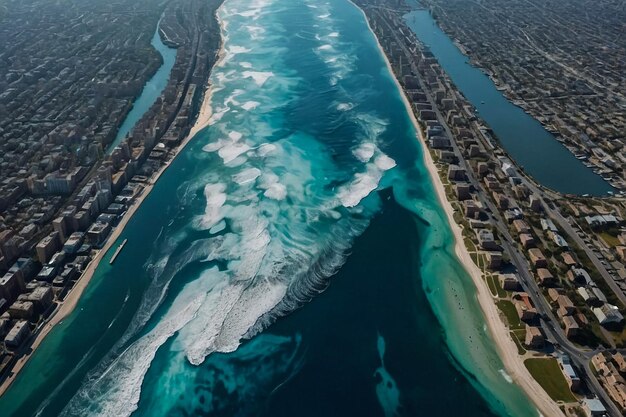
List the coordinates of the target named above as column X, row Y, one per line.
column 151, row 91
column 531, row 146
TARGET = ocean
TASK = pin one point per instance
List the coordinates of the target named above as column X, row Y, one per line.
column 293, row 260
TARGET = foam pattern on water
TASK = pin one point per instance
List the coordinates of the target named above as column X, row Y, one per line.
column 271, row 210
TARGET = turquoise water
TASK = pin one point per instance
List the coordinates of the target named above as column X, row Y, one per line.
column 293, row 260
column 524, row 138
column 151, row 91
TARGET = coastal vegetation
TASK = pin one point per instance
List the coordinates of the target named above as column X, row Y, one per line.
column 549, row 375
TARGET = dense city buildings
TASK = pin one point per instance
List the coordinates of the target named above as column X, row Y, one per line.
column 554, row 265
column 561, row 61
column 64, row 186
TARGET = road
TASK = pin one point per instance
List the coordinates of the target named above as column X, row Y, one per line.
column 569, row 230
column 580, row 358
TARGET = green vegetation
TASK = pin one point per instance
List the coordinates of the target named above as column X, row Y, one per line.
column 474, row 257
column 609, row 239
column 495, row 287
column 469, row 244
column 597, row 278
column 492, row 286
column 508, row 309
column 548, row 374
column 518, row 343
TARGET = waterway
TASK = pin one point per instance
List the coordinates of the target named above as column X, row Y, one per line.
column 292, row 261
column 151, row 91
column 531, row 146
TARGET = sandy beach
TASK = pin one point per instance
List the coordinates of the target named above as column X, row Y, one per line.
column 499, row 333
column 70, row 302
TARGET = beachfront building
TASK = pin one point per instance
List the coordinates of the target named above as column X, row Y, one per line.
column 98, row 233
column 48, row 247
column 571, row 377
column 509, row 282
column 608, row 314
column 593, row 407
column 534, row 337
column 17, row 335
column 487, row 240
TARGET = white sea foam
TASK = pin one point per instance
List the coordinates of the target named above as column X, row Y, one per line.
column 231, row 99
column 236, row 50
column 214, row 146
column 506, row 376
column 267, row 179
column 215, row 198
column 218, row 227
column 276, row 191
column 117, row 392
column 246, row 176
column 365, row 151
column 372, row 125
column 324, row 16
column 259, row 77
column 250, row 105
column 360, row 187
column 217, row 115
column 255, row 31
column 235, row 136
column 238, row 161
column 345, row 106
column 265, row 149
column 249, row 13
column 365, row 182
column 384, row 163
column 260, row 220
column 231, row 151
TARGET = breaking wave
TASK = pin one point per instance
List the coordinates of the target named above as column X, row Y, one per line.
column 273, row 209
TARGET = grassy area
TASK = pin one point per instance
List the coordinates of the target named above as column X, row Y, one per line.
column 548, row 374
column 469, row 244
column 518, row 343
column 508, row 309
column 474, row 257
column 609, row 239
column 495, row 287
column 501, row 292
column 492, row 286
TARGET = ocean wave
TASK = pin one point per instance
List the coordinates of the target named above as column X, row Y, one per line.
column 259, row 77
column 273, row 211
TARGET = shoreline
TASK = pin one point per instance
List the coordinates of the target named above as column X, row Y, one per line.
column 498, row 332
column 67, row 306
